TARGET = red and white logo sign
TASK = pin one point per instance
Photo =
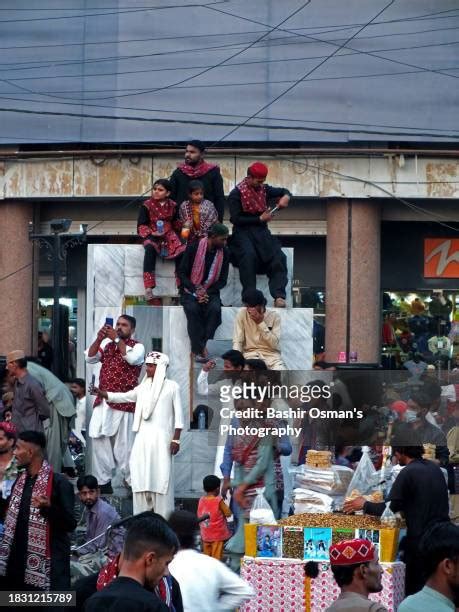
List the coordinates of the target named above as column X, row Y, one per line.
column 441, row 258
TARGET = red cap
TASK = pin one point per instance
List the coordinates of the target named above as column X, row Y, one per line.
column 258, row 170
column 9, row 429
column 399, row 407
column 352, row 552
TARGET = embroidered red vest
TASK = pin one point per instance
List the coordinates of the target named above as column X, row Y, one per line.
column 117, row 376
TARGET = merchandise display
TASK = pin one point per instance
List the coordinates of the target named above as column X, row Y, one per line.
column 280, row 584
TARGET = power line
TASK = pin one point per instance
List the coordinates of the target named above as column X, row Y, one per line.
column 224, row 124
column 433, row 216
column 289, row 89
column 335, row 28
column 359, row 51
column 232, row 115
column 13, row 83
column 47, row 63
column 117, row 12
column 75, row 102
column 246, row 48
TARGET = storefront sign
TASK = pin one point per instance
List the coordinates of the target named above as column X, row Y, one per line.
column 441, row 258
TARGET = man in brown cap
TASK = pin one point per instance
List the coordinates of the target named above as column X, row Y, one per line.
column 30, row 406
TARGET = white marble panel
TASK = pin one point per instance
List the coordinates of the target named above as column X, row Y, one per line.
column 182, row 477
column 116, row 271
column 108, row 266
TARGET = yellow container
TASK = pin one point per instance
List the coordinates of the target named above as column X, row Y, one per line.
column 388, row 544
column 250, row 536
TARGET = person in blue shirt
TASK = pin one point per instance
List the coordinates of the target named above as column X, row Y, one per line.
column 440, row 555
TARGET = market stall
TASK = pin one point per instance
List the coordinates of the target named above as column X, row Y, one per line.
column 276, row 555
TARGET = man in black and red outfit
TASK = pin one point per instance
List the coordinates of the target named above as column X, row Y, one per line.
column 195, row 167
column 110, row 428
column 253, row 248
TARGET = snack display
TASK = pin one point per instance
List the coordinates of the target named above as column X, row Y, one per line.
column 293, row 543
column 318, row 459
column 335, row 520
column 375, row 496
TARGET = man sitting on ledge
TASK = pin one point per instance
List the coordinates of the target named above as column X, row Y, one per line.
column 203, row 272
column 253, row 247
column 257, row 331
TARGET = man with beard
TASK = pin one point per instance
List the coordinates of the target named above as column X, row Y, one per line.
column 203, row 273
column 440, row 554
column 158, row 423
column 99, row 515
column 35, row 550
column 194, row 168
column 355, row 567
column 420, row 493
column 254, row 249
column 111, row 424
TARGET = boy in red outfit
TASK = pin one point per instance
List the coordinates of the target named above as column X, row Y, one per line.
column 215, row 530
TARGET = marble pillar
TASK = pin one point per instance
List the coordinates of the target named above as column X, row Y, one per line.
column 16, row 260
column 353, row 280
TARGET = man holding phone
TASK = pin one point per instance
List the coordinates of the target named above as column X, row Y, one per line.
column 110, row 427
column 254, row 249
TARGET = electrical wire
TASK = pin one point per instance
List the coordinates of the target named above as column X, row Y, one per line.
column 136, row 10
column 306, row 75
column 246, row 63
column 335, row 28
column 350, row 125
column 432, row 216
column 73, row 102
column 51, row 63
column 12, row 82
column 359, row 51
column 222, row 124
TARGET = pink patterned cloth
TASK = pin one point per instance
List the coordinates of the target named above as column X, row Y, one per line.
column 252, row 200
column 197, row 271
column 278, row 584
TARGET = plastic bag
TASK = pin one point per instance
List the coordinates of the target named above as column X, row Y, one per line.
column 388, row 518
column 364, row 482
column 261, row 512
column 330, row 481
column 307, row 501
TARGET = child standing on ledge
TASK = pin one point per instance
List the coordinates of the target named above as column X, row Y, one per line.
column 214, row 531
column 157, row 225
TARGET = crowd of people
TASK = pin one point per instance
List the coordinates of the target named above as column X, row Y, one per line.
column 150, row 561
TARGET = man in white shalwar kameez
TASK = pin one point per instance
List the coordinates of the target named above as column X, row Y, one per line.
column 110, row 427
column 158, row 423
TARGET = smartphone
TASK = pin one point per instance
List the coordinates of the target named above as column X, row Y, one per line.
column 109, row 321
column 274, row 210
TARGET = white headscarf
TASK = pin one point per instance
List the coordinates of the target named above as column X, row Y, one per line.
column 161, row 361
